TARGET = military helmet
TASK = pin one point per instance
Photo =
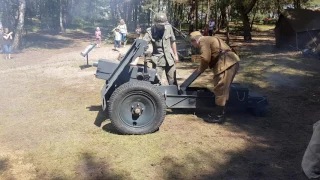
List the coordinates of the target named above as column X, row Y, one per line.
column 160, row 18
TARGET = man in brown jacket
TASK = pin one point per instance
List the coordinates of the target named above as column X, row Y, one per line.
column 224, row 62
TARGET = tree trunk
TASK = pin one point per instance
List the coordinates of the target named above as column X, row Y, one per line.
column 208, row 12
column 297, row 4
column 278, row 7
column 135, row 14
column 169, row 11
column 70, row 13
column 228, row 8
column 61, row 18
column 181, row 16
column 191, row 16
column 19, row 29
column 223, row 11
column 218, row 25
column 253, row 18
column 216, row 16
column 124, row 14
column 245, row 18
column 176, row 12
column 246, row 27
column 129, row 15
column 118, row 12
column 112, row 9
column 196, row 16
column 149, row 18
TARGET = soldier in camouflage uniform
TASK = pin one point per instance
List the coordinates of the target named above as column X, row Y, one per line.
column 164, row 53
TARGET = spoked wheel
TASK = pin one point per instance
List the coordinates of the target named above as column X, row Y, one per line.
column 137, row 108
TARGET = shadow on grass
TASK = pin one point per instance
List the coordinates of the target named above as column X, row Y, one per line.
column 276, row 143
column 101, row 116
column 35, row 40
column 80, row 35
column 111, row 129
column 251, row 164
column 92, row 168
column 4, row 163
column 85, row 66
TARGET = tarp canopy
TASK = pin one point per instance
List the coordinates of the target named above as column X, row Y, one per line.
column 302, row 19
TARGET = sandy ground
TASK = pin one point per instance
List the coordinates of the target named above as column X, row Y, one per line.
column 52, row 126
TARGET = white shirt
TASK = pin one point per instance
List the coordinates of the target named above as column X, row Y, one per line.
column 117, row 36
column 123, row 28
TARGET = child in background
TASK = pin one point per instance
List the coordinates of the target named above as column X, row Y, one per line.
column 98, row 36
column 123, row 31
column 7, row 41
column 138, row 31
column 117, row 39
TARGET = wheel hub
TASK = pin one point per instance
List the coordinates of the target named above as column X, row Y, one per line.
column 137, row 109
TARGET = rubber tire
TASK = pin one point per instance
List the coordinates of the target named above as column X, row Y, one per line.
column 114, row 107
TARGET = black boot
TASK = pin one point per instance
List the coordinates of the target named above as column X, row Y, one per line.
column 218, row 117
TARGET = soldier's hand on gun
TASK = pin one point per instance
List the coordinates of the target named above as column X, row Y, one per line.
column 197, row 71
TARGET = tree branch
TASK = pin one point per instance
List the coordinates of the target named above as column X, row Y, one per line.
column 251, row 5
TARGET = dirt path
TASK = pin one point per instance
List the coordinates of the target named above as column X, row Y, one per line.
column 51, row 126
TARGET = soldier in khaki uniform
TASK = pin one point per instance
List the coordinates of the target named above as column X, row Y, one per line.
column 224, row 62
column 164, row 53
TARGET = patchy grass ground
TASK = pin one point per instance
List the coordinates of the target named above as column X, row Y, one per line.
column 52, row 127
column 263, row 28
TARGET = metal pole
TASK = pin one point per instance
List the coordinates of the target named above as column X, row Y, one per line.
column 88, row 59
column 312, row 39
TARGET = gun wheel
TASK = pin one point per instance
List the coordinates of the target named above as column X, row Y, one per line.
column 137, row 108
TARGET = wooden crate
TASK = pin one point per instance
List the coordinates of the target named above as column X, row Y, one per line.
column 196, row 58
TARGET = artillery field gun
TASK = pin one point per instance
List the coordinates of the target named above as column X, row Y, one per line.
column 137, row 102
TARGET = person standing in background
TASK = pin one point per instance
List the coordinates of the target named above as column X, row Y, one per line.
column 98, row 36
column 139, row 31
column 117, row 39
column 7, row 41
column 123, row 30
column 211, row 27
column 1, row 39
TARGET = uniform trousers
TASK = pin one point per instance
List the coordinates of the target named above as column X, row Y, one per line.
column 221, row 84
column 170, row 73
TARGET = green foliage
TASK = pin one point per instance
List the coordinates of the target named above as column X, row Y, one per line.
column 85, row 13
column 315, row 2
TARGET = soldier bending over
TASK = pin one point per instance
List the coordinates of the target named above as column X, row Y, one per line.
column 224, row 62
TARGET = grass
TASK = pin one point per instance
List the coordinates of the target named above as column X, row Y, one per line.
column 262, row 28
column 237, row 29
column 315, row 2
